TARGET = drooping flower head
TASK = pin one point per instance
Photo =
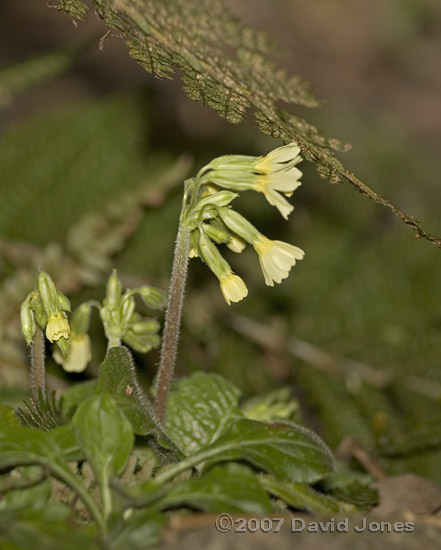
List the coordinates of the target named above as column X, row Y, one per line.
column 208, row 214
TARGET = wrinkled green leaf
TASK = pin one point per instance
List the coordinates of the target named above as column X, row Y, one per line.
column 226, row 488
column 300, row 495
column 199, row 409
column 288, row 451
column 117, row 378
column 105, row 434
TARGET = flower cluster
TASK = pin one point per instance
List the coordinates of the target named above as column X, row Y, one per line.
column 46, row 307
column 208, row 214
column 120, row 320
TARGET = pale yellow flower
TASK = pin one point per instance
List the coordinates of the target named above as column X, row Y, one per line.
column 233, row 288
column 276, row 259
column 279, row 177
column 236, row 244
column 57, row 327
column 79, row 356
column 281, row 158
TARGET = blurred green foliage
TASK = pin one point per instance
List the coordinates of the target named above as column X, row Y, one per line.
column 367, row 290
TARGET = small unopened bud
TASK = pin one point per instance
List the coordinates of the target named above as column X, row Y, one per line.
column 28, row 326
column 63, row 301
column 80, row 319
column 113, row 294
column 236, row 244
column 63, row 346
column 142, row 342
column 212, row 257
column 216, row 234
column 239, row 225
column 127, row 309
column 218, row 200
column 48, row 293
column 38, row 309
column 153, row 297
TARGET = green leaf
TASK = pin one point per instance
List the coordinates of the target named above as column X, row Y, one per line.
column 226, row 488
column 8, row 416
column 23, row 445
column 142, row 530
column 199, row 409
column 66, row 439
column 300, row 495
column 288, row 451
column 276, row 405
column 75, row 395
column 105, row 434
column 351, row 487
column 117, row 378
column 48, row 527
column 34, row 497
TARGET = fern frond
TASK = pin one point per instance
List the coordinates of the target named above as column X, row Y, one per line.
column 195, row 37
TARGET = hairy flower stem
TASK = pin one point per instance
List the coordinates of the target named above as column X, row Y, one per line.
column 172, row 320
column 38, row 378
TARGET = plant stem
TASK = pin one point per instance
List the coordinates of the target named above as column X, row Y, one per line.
column 38, row 381
column 70, row 479
column 172, row 320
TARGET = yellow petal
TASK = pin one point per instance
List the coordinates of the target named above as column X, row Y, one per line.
column 233, row 288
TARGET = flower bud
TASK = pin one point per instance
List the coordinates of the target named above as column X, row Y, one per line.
column 37, row 307
column 212, row 257
column 216, row 234
column 218, row 200
column 239, row 225
column 153, row 297
column 63, row 301
column 48, row 293
column 114, row 288
column 80, row 319
column 63, row 346
column 27, row 320
column 127, row 308
column 236, row 244
column 142, row 342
